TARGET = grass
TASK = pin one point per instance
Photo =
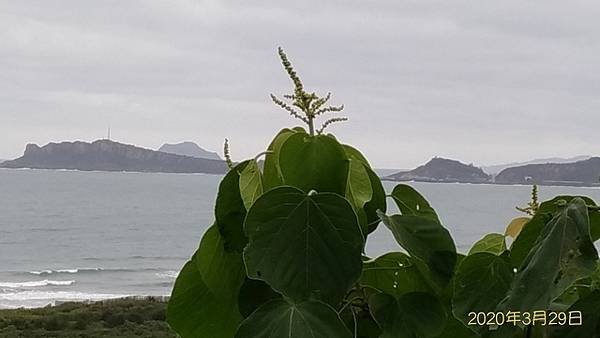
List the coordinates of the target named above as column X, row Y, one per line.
column 125, row 317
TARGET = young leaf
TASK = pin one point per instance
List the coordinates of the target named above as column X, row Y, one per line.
column 415, row 314
column 230, row 210
column 358, row 189
column 272, row 171
column 279, row 318
column 204, row 299
column 427, row 240
column 378, row 202
column 411, row 203
column 492, row 243
column 395, row 274
column 513, row 229
column 314, row 163
column 251, row 183
column 364, row 190
column 563, row 253
column 481, row 282
column 304, row 245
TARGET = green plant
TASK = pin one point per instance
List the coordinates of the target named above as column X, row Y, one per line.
column 285, row 255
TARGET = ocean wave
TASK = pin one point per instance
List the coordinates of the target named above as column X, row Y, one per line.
column 69, row 271
column 33, row 284
column 33, row 299
column 167, row 274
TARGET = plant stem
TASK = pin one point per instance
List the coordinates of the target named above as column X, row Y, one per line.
column 311, row 126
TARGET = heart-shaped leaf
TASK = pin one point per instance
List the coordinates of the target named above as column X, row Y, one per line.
column 279, row 318
column 304, row 245
column 314, row 163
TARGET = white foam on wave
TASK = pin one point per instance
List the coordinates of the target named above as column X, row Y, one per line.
column 167, row 274
column 71, row 271
column 33, row 299
column 32, row 284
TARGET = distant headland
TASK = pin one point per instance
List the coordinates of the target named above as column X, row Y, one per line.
column 442, row 170
column 107, row 155
column 578, row 173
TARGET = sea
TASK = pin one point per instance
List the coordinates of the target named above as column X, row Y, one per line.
column 79, row 236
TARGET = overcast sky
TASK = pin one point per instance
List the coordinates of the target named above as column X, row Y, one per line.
column 479, row 81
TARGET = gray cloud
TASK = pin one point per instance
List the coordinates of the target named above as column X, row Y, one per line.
column 483, row 82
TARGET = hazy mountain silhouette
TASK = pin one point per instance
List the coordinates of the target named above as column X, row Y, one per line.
column 106, row 155
column 442, row 170
column 188, row 149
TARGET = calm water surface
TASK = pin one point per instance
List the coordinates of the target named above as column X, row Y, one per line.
column 68, row 235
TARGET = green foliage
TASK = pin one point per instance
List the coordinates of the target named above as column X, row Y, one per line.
column 124, row 318
column 204, row 302
column 285, row 257
column 279, row 318
column 492, row 243
column 290, row 230
column 480, row 284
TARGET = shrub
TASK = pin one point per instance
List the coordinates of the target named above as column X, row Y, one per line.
column 285, row 255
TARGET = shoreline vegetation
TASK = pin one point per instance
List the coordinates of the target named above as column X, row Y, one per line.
column 123, row 317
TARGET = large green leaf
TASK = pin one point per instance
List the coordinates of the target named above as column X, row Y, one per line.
column 563, row 253
column 427, row 240
column 414, row 315
column 378, row 202
column 411, row 203
column 304, row 245
column 204, row 302
column 358, row 188
column 251, row 183
column 480, row 284
column 230, row 210
column 492, row 243
column 271, row 170
column 547, row 210
column 279, row 318
column 395, row 274
column 253, row 294
column 314, row 163
column 590, row 324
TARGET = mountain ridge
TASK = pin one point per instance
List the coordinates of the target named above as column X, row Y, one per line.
column 440, row 169
column 497, row 168
column 188, row 148
column 106, row 155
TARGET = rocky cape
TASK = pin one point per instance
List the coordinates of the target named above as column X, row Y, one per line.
column 579, row 173
column 442, row 170
column 188, row 149
column 106, row 155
